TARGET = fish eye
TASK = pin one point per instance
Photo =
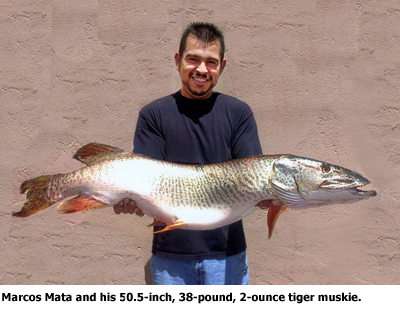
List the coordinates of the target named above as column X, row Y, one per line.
column 326, row 168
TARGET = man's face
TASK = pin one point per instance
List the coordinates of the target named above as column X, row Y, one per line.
column 199, row 68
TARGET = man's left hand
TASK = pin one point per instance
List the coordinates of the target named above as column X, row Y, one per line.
column 264, row 204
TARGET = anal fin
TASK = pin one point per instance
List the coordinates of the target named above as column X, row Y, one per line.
column 274, row 211
column 175, row 225
column 80, row 203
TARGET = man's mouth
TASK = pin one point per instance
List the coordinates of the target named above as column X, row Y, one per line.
column 200, row 79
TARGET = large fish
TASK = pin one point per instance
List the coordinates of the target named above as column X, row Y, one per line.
column 197, row 197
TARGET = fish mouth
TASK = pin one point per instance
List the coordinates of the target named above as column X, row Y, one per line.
column 350, row 186
column 344, row 183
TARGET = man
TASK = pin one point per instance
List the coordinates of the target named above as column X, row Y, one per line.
column 197, row 126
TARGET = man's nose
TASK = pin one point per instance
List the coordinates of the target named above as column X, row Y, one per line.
column 202, row 67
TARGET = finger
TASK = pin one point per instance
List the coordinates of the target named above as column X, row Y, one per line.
column 117, row 208
column 139, row 212
column 125, row 205
column 131, row 206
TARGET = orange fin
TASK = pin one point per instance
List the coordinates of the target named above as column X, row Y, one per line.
column 92, row 152
column 173, row 226
column 157, row 223
column 37, row 199
column 274, row 211
column 80, row 203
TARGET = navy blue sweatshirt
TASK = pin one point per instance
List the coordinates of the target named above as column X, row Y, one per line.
column 182, row 130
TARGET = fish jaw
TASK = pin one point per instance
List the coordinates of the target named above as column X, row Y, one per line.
column 303, row 183
column 336, row 196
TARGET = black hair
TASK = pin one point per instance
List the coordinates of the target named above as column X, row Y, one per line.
column 205, row 32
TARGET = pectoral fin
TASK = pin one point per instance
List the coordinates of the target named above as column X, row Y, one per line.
column 157, row 223
column 274, row 211
column 80, row 203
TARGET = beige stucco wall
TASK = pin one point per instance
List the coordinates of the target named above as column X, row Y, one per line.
column 322, row 77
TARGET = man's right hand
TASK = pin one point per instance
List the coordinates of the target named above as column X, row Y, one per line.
column 128, row 206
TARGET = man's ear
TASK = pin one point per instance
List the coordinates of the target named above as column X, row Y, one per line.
column 177, row 61
column 223, row 64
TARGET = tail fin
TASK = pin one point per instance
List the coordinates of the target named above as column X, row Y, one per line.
column 37, row 196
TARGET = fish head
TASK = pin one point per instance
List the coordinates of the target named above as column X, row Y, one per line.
column 304, row 183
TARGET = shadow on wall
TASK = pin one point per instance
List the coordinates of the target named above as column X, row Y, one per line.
column 147, row 274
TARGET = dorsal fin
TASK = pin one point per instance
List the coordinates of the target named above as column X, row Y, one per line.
column 92, row 152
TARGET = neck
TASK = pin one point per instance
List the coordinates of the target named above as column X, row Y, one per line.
column 191, row 96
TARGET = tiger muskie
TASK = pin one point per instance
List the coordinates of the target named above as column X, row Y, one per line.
column 196, row 197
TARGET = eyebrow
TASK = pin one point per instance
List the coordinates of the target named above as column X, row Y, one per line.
column 191, row 55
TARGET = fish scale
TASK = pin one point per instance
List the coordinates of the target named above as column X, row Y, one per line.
column 197, row 197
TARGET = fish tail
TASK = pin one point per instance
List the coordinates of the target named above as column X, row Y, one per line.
column 37, row 195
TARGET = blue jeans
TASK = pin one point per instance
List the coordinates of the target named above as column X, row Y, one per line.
column 229, row 270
